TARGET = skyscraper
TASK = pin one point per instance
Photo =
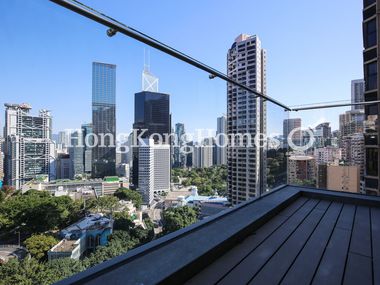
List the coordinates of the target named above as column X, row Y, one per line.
column 322, row 135
column 76, row 152
column 87, row 129
column 154, row 169
column 1, row 160
column 27, row 144
column 351, row 122
column 104, row 119
column 152, row 113
column 179, row 157
column 371, row 40
column 357, row 93
column 152, row 116
column 63, row 139
column 221, row 132
column 202, row 156
column 288, row 126
column 246, row 113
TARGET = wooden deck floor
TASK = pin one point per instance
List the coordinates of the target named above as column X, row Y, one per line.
column 310, row 242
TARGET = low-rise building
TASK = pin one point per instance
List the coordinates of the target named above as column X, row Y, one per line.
column 77, row 188
column 207, row 205
column 86, row 234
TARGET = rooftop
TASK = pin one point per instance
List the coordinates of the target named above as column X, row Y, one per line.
column 291, row 235
column 91, row 222
column 65, row 246
column 301, row 157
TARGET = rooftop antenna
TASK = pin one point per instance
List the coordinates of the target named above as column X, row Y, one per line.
column 146, row 60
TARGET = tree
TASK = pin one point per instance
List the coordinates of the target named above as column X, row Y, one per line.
column 8, row 190
column 120, row 242
column 102, row 204
column 39, row 211
column 178, row 218
column 129, row 195
column 123, row 221
column 58, row 269
column 39, row 245
column 175, row 179
column 2, row 196
column 26, row 272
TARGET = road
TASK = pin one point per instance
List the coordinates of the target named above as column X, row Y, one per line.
column 155, row 212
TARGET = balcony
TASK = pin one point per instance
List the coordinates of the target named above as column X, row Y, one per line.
column 291, row 235
column 291, row 230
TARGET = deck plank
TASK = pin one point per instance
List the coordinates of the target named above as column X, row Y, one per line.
column 346, row 218
column 358, row 270
column 331, row 267
column 288, row 252
column 243, row 272
column 361, row 233
column 304, row 267
column 375, row 225
column 217, row 269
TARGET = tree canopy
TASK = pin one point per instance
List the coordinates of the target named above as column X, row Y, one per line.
column 38, row 211
column 208, row 180
column 178, row 218
column 39, row 245
column 129, row 195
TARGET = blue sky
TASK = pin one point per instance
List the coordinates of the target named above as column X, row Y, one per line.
column 314, row 50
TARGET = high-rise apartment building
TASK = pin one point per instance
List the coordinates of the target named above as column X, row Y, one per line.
column 328, row 155
column 104, row 119
column 371, row 63
column 288, row 126
column 246, row 113
column 301, row 168
column 357, row 93
column 202, row 156
column 351, row 122
column 353, row 151
column 27, row 144
column 221, row 142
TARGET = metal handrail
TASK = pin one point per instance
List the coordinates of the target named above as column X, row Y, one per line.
column 335, row 105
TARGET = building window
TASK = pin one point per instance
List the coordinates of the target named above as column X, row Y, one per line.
column 370, row 139
column 371, row 183
column 368, row 2
column 370, row 33
column 372, row 161
column 371, row 76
